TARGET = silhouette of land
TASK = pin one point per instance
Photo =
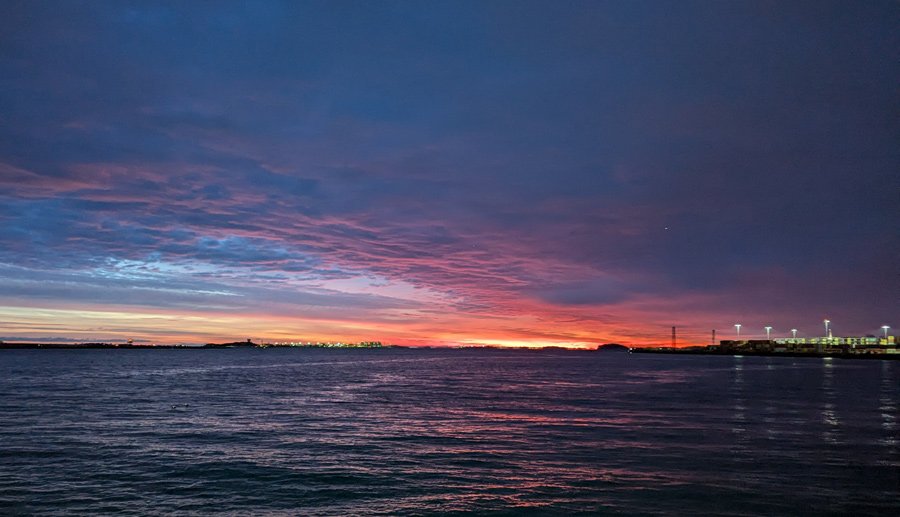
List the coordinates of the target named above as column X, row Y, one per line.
column 232, row 344
column 20, row 346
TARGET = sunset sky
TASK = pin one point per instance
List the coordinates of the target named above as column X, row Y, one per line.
column 440, row 173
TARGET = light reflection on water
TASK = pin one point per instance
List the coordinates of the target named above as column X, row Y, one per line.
column 738, row 398
column 888, row 400
column 832, row 423
column 419, row 431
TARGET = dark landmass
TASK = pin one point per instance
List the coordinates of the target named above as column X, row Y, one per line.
column 612, row 347
column 81, row 346
column 233, row 344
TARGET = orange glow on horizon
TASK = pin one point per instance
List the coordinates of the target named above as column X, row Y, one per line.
column 171, row 326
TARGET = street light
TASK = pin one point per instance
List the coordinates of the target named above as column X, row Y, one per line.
column 738, row 327
column 768, row 333
column 794, row 333
column 885, row 329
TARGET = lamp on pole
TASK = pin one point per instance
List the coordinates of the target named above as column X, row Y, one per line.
column 768, row 333
column 885, row 329
column 737, row 326
column 794, row 333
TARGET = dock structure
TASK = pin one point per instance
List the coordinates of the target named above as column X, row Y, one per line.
column 886, row 347
column 818, row 345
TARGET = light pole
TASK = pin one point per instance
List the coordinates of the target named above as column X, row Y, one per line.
column 794, row 333
column 768, row 333
column 737, row 326
column 885, row 329
column 826, row 327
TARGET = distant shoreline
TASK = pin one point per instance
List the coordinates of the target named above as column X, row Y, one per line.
column 86, row 346
column 239, row 345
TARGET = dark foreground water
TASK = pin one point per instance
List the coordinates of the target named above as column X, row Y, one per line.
column 349, row 432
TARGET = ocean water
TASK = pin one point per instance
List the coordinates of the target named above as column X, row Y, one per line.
column 411, row 432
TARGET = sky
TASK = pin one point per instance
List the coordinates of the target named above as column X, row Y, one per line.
column 448, row 173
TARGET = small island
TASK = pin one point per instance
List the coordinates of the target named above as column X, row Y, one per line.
column 612, row 347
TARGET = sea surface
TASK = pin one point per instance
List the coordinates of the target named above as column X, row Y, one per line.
column 413, row 432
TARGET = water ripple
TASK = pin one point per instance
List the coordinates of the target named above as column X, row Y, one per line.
column 411, row 432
